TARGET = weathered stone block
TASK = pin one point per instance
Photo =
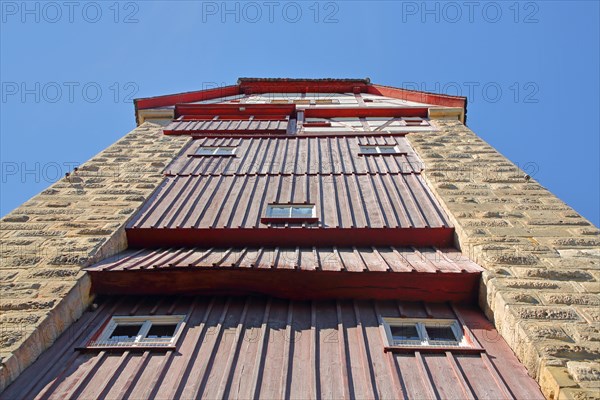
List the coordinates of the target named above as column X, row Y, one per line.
column 42, row 285
column 546, row 314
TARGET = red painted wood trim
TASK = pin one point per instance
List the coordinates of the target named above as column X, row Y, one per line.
column 299, row 87
column 234, row 109
column 122, row 349
column 260, row 237
column 417, row 96
column 239, row 135
column 307, row 285
column 307, row 86
column 233, row 118
column 432, row 349
column 200, row 132
column 187, row 97
column 331, row 112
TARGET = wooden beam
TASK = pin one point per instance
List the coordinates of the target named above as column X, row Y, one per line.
column 317, row 285
column 225, row 237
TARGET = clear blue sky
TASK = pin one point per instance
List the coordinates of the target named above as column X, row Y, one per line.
column 530, row 69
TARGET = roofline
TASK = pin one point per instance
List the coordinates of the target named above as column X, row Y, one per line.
column 364, row 81
column 267, row 85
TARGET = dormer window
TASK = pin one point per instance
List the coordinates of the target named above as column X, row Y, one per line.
column 379, row 150
column 290, row 213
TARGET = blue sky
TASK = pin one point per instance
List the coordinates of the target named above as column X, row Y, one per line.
column 530, row 70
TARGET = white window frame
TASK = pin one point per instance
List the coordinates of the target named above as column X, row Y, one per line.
column 377, row 148
column 141, row 340
column 215, row 150
column 291, row 207
column 421, row 325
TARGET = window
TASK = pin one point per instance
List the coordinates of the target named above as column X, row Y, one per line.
column 305, row 101
column 215, row 151
column 368, row 150
column 326, row 101
column 140, row 331
column 424, row 332
column 317, row 123
column 290, row 212
column 415, row 121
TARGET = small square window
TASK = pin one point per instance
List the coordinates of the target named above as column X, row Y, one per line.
column 278, row 212
column 368, row 149
column 215, row 151
column 140, row 331
column 290, row 213
column 125, row 333
column 379, row 150
column 302, row 211
column 405, row 334
column 388, row 149
column 408, row 332
column 166, row 331
column 441, row 334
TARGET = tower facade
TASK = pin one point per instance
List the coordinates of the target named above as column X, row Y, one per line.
column 285, row 238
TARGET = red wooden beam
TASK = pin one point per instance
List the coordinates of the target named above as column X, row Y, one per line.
column 419, row 97
column 412, row 286
column 188, row 97
column 302, row 86
column 157, row 237
column 205, row 133
column 242, row 135
column 237, row 109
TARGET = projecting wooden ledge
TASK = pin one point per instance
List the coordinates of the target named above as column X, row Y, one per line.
column 302, row 273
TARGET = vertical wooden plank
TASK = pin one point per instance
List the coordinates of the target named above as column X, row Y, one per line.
column 463, row 383
column 345, row 361
column 260, row 356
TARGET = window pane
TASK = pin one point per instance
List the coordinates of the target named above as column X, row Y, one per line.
column 125, row 332
column 368, row 149
column 205, row 151
column 413, row 121
column 224, row 151
column 161, row 331
column 404, row 332
column 298, row 212
column 387, row 149
column 440, row 334
column 279, row 212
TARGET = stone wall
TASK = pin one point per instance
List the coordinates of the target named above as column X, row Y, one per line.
column 75, row 222
column 541, row 286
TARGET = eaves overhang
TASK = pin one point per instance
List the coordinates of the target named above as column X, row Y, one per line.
column 247, row 86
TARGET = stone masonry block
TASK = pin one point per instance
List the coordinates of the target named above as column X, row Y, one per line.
column 541, row 258
column 47, row 240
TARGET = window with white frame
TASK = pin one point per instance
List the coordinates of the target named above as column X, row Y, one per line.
column 136, row 331
column 379, row 149
column 424, row 332
column 291, row 211
column 215, row 151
